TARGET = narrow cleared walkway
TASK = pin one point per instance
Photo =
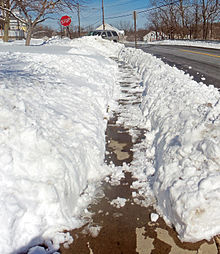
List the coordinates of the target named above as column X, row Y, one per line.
column 122, row 222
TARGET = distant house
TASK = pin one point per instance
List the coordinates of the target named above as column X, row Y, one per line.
column 16, row 28
column 154, row 36
column 121, row 33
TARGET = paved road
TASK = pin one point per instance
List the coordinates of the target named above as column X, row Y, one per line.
column 202, row 63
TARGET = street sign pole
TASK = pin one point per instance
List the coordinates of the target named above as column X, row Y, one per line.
column 66, row 21
column 135, row 28
column 78, row 14
column 103, row 16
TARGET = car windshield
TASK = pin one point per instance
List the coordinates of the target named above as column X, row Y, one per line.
column 96, row 33
column 90, row 33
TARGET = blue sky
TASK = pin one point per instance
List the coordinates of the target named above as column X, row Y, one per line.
column 91, row 14
column 113, row 9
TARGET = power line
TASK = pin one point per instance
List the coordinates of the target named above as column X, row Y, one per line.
column 91, row 14
column 99, row 20
column 92, row 24
column 147, row 10
column 124, row 15
column 130, row 14
column 121, row 16
column 154, row 8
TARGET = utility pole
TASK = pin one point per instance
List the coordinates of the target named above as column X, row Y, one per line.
column 78, row 14
column 103, row 16
column 135, row 28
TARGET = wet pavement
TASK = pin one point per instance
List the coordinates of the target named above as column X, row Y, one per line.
column 122, row 221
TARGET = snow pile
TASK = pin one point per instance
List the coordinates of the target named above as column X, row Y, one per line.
column 52, row 137
column 34, row 42
column 182, row 146
column 53, row 106
column 202, row 44
column 85, row 44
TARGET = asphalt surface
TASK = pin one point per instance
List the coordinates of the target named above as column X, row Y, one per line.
column 201, row 63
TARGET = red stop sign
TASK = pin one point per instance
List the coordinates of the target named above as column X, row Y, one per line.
column 65, row 21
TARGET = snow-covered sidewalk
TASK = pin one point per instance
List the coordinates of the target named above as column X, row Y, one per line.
column 53, row 110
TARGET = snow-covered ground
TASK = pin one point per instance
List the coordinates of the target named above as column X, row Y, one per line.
column 180, row 163
column 202, row 44
column 53, row 110
column 53, row 101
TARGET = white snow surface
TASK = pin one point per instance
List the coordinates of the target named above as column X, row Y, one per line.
column 202, row 44
column 154, row 217
column 53, row 105
column 181, row 161
column 53, row 101
column 118, row 202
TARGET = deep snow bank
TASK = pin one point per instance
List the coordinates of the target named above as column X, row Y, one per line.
column 52, row 136
column 182, row 146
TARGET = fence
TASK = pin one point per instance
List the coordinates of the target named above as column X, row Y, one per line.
column 16, row 35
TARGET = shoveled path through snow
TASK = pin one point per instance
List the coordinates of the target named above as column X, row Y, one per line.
column 121, row 220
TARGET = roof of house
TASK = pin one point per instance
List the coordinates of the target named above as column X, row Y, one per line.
column 109, row 27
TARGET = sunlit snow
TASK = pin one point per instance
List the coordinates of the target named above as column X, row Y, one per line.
column 193, row 43
column 54, row 100
column 180, row 162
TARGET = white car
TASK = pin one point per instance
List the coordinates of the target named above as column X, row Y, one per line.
column 106, row 34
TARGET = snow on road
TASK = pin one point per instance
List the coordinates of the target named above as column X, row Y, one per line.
column 53, row 106
column 201, row 44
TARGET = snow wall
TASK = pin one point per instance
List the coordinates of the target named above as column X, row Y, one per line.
column 53, row 103
column 182, row 145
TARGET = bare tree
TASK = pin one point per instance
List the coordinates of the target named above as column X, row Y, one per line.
column 7, row 21
column 155, row 21
column 125, row 25
column 210, row 8
column 167, row 14
column 185, row 18
column 215, row 17
column 5, row 18
column 41, row 31
column 37, row 11
column 196, row 18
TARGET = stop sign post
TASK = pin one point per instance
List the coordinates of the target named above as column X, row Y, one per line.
column 65, row 21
